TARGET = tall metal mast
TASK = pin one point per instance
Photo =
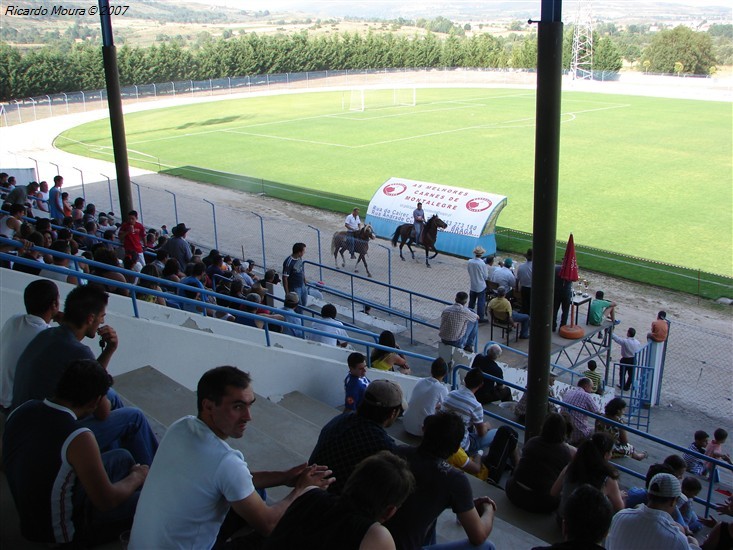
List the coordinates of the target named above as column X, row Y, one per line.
column 581, row 66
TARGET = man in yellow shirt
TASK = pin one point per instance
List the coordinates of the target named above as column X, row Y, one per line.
column 501, row 308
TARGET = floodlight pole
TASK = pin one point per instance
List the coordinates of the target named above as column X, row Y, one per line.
column 547, row 161
column 116, row 118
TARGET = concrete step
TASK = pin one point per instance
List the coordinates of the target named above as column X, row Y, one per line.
column 506, row 533
column 283, row 433
column 165, row 401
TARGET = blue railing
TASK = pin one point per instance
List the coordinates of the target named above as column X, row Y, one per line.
column 355, row 299
column 203, row 305
column 673, row 446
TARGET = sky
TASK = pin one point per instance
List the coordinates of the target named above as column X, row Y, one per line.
column 304, row 4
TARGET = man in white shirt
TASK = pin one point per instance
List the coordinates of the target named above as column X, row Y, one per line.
column 352, row 224
column 651, row 525
column 41, row 299
column 478, row 272
column 427, row 395
column 197, row 477
column 504, row 277
column 418, row 221
column 630, row 346
column 328, row 313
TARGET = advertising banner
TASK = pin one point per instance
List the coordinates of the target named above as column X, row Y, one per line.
column 470, row 215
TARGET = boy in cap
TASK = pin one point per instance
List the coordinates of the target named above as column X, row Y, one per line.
column 350, row 438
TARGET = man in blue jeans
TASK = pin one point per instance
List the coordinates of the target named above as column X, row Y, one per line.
column 458, row 324
column 294, row 274
column 478, row 435
column 65, row 490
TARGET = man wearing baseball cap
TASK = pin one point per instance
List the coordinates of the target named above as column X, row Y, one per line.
column 650, row 526
column 351, row 437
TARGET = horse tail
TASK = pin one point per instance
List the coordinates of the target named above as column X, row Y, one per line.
column 396, row 235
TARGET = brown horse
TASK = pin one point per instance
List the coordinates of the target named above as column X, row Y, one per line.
column 340, row 243
column 405, row 233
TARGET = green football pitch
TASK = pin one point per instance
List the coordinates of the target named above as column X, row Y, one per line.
column 643, row 176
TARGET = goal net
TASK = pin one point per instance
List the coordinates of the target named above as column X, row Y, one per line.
column 361, row 99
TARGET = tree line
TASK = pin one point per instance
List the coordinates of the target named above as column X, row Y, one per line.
column 79, row 65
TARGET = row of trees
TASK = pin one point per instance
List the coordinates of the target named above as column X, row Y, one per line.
column 48, row 71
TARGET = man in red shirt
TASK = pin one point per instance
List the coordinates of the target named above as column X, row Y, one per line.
column 132, row 235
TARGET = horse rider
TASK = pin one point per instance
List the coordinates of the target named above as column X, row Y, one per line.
column 418, row 216
column 352, row 224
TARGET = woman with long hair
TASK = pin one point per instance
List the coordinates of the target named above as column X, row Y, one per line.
column 543, row 458
column 388, row 360
column 614, row 410
column 590, row 465
column 171, row 272
column 108, row 257
column 151, row 270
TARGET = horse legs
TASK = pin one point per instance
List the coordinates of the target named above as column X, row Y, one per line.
column 410, row 248
column 401, row 256
column 362, row 259
column 427, row 252
column 335, row 257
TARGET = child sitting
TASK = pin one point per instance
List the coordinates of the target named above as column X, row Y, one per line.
column 691, row 487
column 594, row 377
column 715, row 447
column 673, row 464
column 356, row 381
column 697, row 465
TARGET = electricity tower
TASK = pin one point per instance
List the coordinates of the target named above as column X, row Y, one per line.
column 581, row 66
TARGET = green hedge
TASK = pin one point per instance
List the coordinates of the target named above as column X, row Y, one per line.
column 641, row 270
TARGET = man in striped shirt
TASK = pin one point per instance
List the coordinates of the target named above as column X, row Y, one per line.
column 463, row 402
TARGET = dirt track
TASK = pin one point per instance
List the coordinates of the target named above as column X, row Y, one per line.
column 638, row 303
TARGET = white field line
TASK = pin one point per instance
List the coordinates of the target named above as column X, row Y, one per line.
column 517, row 123
column 331, row 115
column 108, row 151
column 460, row 104
column 282, row 138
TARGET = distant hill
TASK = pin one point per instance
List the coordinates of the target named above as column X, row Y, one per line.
column 643, row 10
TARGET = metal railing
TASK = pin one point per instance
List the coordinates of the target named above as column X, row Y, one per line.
column 370, row 342
column 396, row 294
column 707, row 502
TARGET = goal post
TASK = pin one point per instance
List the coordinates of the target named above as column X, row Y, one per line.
column 363, row 99
column 356, row 101
column 405, row 97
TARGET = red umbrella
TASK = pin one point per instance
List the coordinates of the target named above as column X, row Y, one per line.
column 569, row 268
